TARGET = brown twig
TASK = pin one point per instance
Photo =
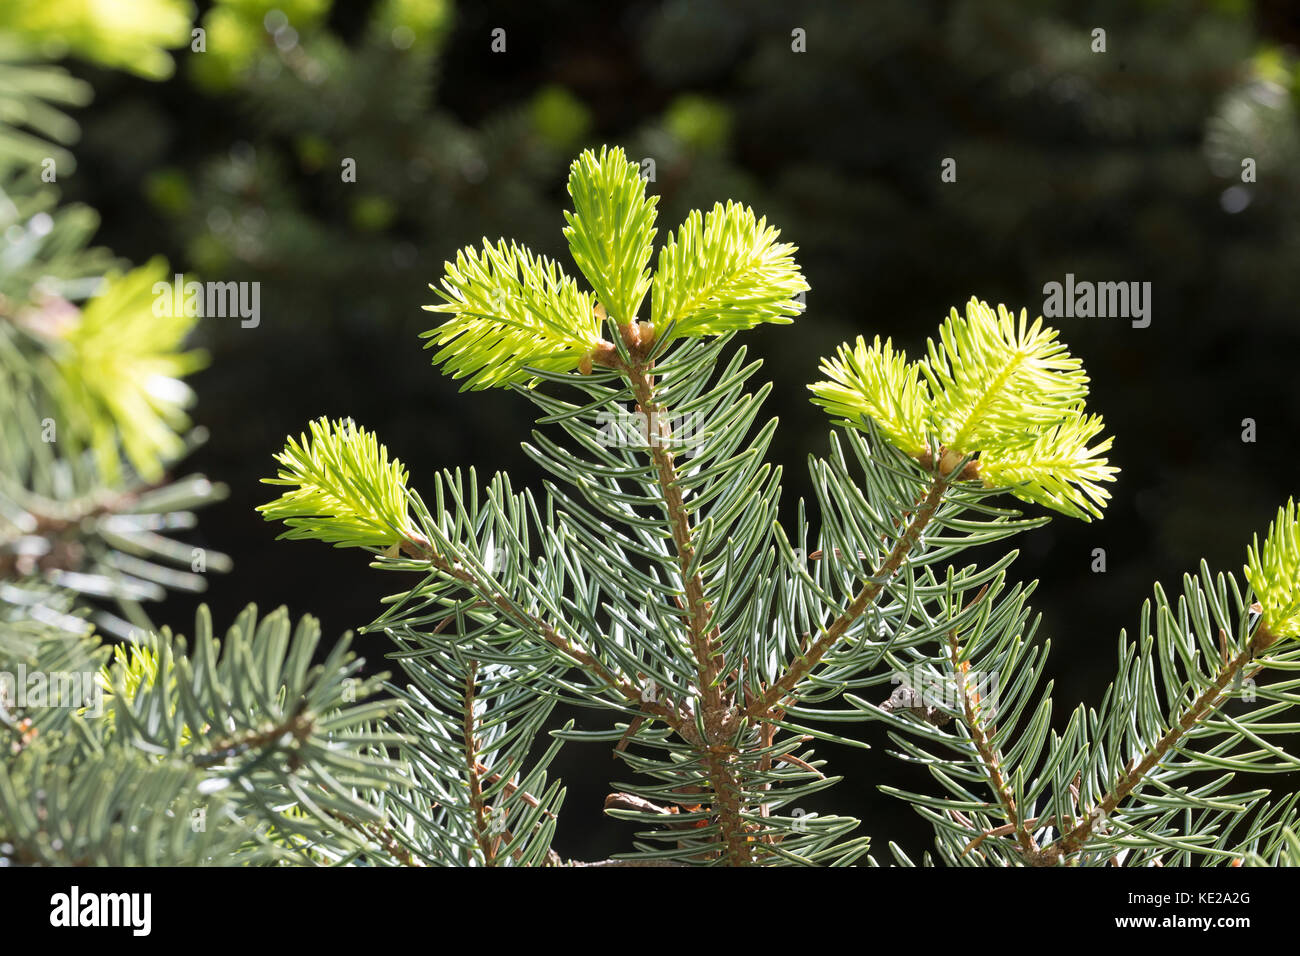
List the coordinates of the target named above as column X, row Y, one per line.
column 416, row 546
column 718, row 710
column 478, row 808
column 385, row 838
column 784, row 686
column 298, row 727
column 1137, row 769
column 989, row 755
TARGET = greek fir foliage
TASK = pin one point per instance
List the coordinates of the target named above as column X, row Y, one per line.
column 994, row 389
column 1273, row 571
column 218, row 752
column 512, row 309
column 611, row 229
column 649, row 579
column 93, row 402
column 346, row 491
column 722, row 272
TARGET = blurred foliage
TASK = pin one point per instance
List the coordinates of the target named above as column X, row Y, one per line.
column 214, row 757
column 31, row 120
column 127, row 34
column 120, row 368
column 91, row 358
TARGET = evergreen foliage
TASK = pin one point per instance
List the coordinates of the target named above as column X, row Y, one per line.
column 91, row 386
column 649, row 579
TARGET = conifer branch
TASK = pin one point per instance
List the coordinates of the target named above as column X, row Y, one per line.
column 478, row 808
column 718, row 708
column 53, row 521
column 704, row 634
column 386, row 839
column 674, row 591
column 297, row 728
column 803, row 664
column 988, row 754
column 1134, row 775
column 417, row 546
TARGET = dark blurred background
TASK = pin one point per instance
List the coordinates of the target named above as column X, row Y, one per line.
column 1115, row 166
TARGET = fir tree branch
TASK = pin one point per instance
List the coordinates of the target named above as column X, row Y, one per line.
column 1008, row 829
column 718, row 707
column 298, row 727
column 651, row 862
column 382, row 835
column 988, row 753
column 478, row 809
column 53, row 520
column 784, row 686
column 1131, row 779
column 704, row 634
column 417, row 546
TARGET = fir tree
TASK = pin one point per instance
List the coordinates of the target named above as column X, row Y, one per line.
column 650, row 579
